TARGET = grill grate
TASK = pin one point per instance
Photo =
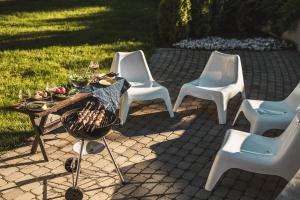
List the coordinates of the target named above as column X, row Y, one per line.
column 91, row 122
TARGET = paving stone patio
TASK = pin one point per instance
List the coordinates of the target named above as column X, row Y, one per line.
column 161, row 157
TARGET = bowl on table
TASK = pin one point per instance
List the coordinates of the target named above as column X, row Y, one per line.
column 79, row 80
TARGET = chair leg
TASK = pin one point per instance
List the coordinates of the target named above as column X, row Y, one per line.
column 243, row 94
column 237, row 115
column 179, row 100
column 222, row 112
column 256, row 128
column 168, row 103
column 217, row 170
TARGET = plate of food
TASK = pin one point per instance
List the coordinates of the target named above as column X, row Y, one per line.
column 40, row 95
column 107, row 81
column 38, row 106
column 63, row 92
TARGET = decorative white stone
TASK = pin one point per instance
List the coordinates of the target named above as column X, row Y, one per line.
column 218, row 43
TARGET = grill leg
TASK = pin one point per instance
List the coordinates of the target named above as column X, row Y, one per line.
column 116, row 166
column 78, row 165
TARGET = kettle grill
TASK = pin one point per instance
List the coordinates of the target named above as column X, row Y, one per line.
column 87, row 137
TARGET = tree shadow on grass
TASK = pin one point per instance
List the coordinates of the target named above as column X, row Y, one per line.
column 122, row 21
column 15, row 6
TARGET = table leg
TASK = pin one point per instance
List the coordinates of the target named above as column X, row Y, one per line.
column 38, row 140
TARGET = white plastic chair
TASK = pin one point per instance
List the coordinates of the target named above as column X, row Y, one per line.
column 133, row 66
column 266, row 115
column 259, row 154
column 221, row 79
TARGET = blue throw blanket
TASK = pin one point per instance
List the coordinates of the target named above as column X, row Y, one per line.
column 108, row 95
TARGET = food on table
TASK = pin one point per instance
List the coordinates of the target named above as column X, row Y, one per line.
column 39, row 105
column 79, row 80
column 72, row 91
column 96, row 78
column 58, row 90
column 63, row 92
column 44, row 107
column 47, row 105
column 107, row 81
column 39, row 95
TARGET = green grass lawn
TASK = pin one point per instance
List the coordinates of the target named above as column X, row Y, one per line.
column 43, row 41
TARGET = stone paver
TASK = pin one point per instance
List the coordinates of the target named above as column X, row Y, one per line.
column 161, row 157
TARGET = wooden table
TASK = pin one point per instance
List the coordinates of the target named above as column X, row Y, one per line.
column 39, row 119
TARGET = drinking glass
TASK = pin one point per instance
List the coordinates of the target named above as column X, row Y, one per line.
column 50, row 89
column 47, row 87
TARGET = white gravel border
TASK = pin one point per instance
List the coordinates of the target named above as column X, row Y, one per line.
column 218, row 43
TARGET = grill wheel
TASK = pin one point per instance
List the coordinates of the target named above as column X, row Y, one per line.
column 71, row 165
column 73, row 194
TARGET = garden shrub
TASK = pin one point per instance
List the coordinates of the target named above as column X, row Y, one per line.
column 200, row 24
column 242, row 17
column 227, row 18
column 254, row 17
column 290, row 15
column 173, row 20
column 249, row 17
column 225, row 21
column 216, row 9
column 257, row 16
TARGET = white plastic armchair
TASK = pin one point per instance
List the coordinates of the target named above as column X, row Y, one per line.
column 266, row 115
column 133, row 66
column 221, row 79
column 258, row 154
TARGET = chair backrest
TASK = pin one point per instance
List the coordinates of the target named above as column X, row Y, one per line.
column 132, row 66
column 288, row 144
column 293, row 100
column 224, row 68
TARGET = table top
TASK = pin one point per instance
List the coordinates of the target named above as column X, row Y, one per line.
column 58, row 105
column 106, row 94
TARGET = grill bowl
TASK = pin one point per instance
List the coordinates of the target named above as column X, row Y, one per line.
column 69, row 117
